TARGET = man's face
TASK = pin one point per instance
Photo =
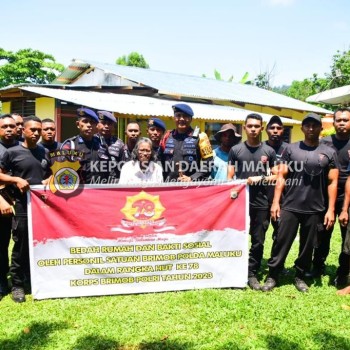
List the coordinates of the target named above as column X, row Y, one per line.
column 48, row 132
column 228, row 138
column 182, row 122
column 253, row 128
column 275, row 132
column 342, row 123
column 132, row 131
column 106, row 128
column 311, row 130
column 32, row 131
column 144, row 152
column 87, row 127
column 19, row 123
column 8, row 130
column 155, row 134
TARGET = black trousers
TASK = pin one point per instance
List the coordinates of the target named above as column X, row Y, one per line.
column 310, row 225
column 322, row 251
column 259, row 223
column 20, row 268
column 5, row 236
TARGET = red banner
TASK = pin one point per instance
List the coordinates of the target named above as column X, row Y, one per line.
column 103, row 234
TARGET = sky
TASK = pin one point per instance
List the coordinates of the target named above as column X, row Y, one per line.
column 292, row 39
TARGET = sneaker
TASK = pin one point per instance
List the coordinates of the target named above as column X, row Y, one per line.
column 18, row 295
column 253, row 283
column 300, row 285
column 269, row 284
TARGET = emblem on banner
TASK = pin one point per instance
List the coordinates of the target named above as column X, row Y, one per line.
column 143, row 210
column 65, row 178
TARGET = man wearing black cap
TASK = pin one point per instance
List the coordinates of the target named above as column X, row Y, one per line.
column 155, row 131
column 274, row 130
column 227, row 137
column 254, row 161
column 94, row 163
column 186, row 153
column 106, row 126
column 307, row 178
column 340, row 142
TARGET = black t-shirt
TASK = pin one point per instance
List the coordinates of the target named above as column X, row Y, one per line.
column 343, row 153
column 279, row 150
column 307, row 180
column 253, row 161
column 29, row 164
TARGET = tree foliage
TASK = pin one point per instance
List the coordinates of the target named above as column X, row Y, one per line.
column 340, row 70
column 27, row 66
column 134, row 59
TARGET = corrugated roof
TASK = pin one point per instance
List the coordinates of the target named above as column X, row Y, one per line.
column 337, row 96
column 146, row 106
column 204, row 88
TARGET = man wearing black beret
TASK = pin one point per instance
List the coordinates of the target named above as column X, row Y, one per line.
column 106, row 126
column 186, row 153
column 94, row 163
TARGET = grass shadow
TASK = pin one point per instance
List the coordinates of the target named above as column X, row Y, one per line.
column 327, row 340
column 35, row 336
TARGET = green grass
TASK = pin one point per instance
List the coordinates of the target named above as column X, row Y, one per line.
column 198, row 319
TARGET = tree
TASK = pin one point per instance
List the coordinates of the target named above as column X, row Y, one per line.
column 340, row 70
column 310, row 86
column 27, row 66
column 134, row 59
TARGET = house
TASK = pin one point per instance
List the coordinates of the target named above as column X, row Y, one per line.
column 137, row 93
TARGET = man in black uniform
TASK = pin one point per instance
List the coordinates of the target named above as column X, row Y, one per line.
column 121, row 152
column 274, row 130
column 155, row 131
column 94, row 164
column 48, row 135
column 307, row 175
column 19, row 124
column 254, row 161
column 106, row 127
column 28, row 165
column 344, row 221
column 341, row 144
column 8, row 133
column 186, row 153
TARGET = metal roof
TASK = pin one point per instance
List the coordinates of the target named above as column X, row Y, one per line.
column 203, row 88
column 147, row 106
column 337, row 96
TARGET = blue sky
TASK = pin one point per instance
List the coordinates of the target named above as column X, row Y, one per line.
column 293, row 38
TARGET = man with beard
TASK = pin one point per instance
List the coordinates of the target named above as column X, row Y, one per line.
column 340, row 142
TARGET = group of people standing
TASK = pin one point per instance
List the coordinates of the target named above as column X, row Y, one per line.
column 290, row 184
